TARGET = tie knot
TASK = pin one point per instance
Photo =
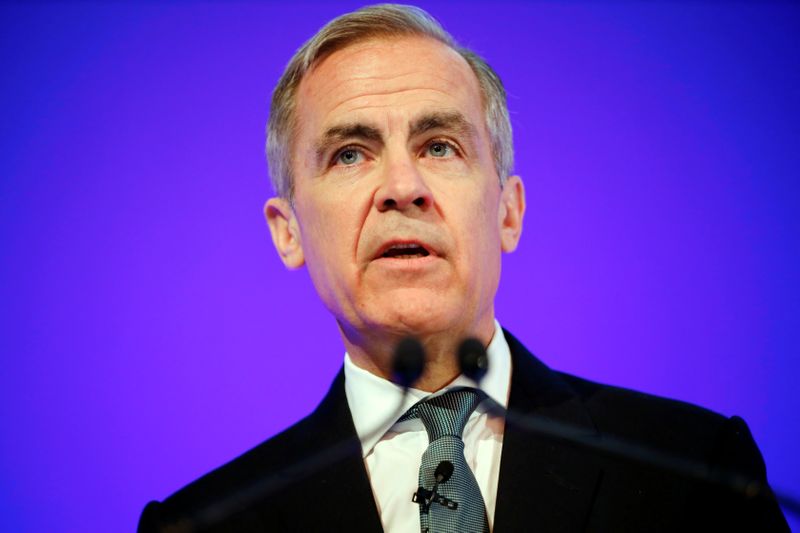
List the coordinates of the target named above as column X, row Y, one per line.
column 446, row 414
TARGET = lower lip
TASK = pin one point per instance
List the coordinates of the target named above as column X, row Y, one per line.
column 406, row 262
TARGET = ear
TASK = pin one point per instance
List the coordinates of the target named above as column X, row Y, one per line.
column 285, row 232
column 512, row 210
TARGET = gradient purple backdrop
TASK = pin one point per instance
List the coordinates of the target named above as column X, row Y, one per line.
column 150, row 333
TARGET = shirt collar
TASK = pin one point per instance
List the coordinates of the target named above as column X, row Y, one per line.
column 377, row 403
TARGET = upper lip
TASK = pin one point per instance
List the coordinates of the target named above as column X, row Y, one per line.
column 404, row 243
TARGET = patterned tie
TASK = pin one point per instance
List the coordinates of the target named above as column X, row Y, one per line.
column 458, row 506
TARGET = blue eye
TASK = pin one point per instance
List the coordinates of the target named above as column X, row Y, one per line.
column 440, row 149
column 349, row 156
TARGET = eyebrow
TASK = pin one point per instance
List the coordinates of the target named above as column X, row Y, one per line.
column 452, row 121
column 343, row 132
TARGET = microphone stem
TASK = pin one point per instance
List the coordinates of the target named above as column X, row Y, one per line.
column 430, row 500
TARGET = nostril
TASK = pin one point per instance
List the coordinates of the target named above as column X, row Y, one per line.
column 419, row 202
column 389, row 203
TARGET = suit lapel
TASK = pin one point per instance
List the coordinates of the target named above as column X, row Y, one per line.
column 340, row 494
column 543, row 486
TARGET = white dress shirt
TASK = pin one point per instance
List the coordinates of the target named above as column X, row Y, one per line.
column 393, row 451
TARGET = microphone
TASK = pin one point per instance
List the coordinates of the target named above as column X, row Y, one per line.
column 425, row 497
column 408, row 362
column 472, row 359
column 443, row 472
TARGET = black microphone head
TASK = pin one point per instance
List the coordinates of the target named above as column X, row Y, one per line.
column 443, row 471
column 408, row 362
column 473, row 359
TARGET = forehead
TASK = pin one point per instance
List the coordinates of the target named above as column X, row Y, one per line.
column 385, row 79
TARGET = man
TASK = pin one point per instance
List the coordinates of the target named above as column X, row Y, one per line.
column 390, row 151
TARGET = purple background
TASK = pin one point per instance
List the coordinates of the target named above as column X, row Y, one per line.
column 150, row 333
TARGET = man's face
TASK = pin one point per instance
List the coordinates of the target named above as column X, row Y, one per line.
column 398, row 211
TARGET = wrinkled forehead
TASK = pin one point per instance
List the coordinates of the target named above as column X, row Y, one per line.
column 384, row 75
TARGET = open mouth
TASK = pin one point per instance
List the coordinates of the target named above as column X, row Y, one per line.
column 405, row 251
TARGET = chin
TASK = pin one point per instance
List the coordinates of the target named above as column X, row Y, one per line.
column 421, row 320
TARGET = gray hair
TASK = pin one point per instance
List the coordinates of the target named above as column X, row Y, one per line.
column 384, row 20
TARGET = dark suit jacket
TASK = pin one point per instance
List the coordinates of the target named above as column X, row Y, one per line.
column 311, row 477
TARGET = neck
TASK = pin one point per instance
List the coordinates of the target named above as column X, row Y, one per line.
column 374, row 352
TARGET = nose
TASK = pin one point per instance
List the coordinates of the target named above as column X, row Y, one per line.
column 402, row 188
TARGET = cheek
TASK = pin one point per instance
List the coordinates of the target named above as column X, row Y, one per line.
column 320, row 242
column 482, row 239
column 483, row 225
column 328, row 230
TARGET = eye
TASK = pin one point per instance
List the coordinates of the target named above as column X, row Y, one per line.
column 440, row 149
column 348, row 156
